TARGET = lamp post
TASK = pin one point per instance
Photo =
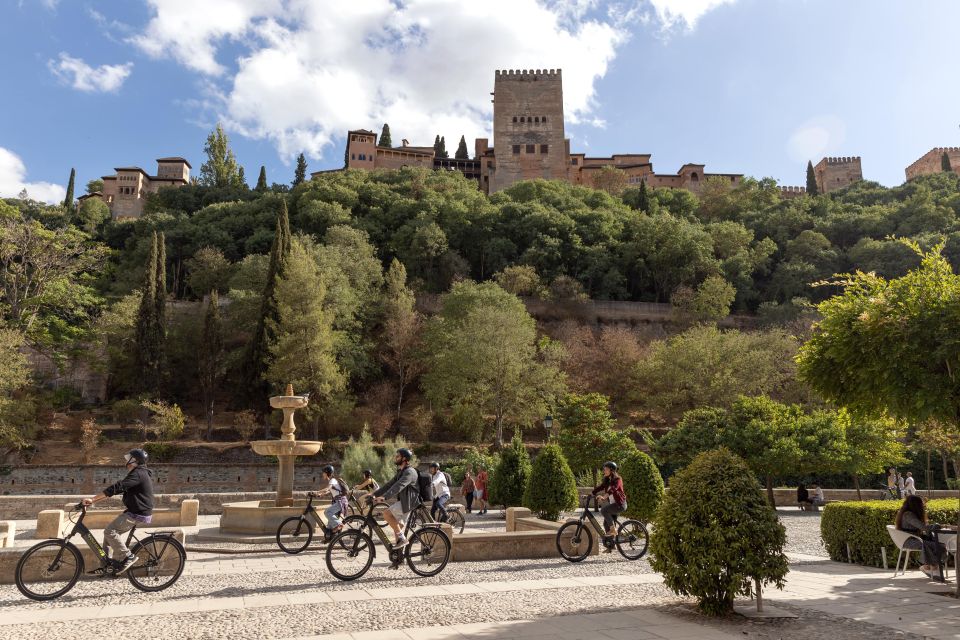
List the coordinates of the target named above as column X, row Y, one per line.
column 548, row 422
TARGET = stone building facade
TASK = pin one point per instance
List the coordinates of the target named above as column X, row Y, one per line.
column 529, row 142
column 837, row 173
column 932, row 162
column 126, row 191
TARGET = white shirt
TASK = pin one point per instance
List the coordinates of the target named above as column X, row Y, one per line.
column 440, row 487
column 909, row 487
column 818, row 494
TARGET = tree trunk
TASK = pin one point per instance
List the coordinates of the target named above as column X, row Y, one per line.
column 773, row 502
column 955, row 571
column 209, row 406
column 946, row 468
column 399, row 398
column 499, row 431
column 856, row 485
column 929, row 476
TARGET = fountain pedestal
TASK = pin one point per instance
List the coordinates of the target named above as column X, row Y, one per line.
column 264, row 516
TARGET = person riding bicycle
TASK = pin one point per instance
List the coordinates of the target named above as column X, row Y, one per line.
column 405, row 485
column 338, row 503
column 369, row 484
column 137, row 490
column 612, row 485
column 441, row 493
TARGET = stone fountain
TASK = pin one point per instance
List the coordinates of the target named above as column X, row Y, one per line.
column 264, row 516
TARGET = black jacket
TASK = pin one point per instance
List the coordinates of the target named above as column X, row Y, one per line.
column 137, row 490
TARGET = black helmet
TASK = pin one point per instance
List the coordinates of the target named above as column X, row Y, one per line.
column 136, row 455
column 610, row 465
column 405, row 453
column 435, row 465
column 328, row 470
column 367, row 473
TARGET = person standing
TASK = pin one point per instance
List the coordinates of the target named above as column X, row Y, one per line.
column 894, row 482
column 467, row 488
column 441, row 493
column 909, row 486
column 480, row 493
column 137, row 490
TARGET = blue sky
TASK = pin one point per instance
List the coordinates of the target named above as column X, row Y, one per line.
column 751, row 86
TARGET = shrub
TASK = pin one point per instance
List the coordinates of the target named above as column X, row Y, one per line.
column 643, row 485
column 162, row 451
column 863, row 525
column 359, row 455
column 551, row 488
column 245, row 423
column 126, row 411
column 168, row 420
column 508, row 482
column 716, row 534
column 89, row 438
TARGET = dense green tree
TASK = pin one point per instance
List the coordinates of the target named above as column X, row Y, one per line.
column 68, row 200
column 872, row 445
column 586, row 432
column 14, row 375
column 443, row 148
column 812, row 189
column 436, row 146
column 610, row 179
column 149, row 334
column 552, row 487
column 462, row 153
column 220, row 169
column 400, row 337
column 301, row 172
column 91, row 214
column 509, row 479
column 242, row 178
column 208, row 270
column 385, row 139
column 945, row 163
column 484, row 358
column 95, row 185
column 642, row 483
column 261, row 181
column 521, row 280
column 211, row 365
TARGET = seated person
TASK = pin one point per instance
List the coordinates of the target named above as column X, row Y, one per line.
column 369, row 484
column 803, row 497
column 338, row 501
column 817, row 498
column 912, row 518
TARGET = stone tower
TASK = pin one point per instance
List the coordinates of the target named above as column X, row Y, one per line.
column 837, row 173
column 528, row 133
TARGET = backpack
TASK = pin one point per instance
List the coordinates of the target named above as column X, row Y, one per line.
column 425, row 482
column 449, row 480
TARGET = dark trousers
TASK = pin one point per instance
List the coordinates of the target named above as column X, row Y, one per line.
column 609, row 511
column 468, row 496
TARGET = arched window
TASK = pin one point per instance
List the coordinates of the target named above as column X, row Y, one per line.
column 694, row 177
column 522, row 119
column 537, row 120
column 544, row 119
column 514, row 118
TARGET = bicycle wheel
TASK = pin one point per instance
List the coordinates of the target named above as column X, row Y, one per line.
column 428, row 551
column 574, row 541
column 162, row 558
column 354, row 522
column 294, row 534
column 349, row 554
column 417, row 520
column 456, row 520
column 48, row 570
column 632, row 539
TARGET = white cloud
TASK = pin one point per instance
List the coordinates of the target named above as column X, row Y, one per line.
column 304, row 72
column 13, row 175
column 816, row 137
column 81, row 76
column 673, row 13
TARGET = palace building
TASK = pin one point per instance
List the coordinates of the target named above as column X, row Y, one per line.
column 126, row 191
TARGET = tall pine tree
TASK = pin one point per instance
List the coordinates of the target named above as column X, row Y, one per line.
column 385, row 140
column 160, row 309
column 210, row 365
column 146, row 336
column 436, row 147
column 812, row 189
column 220, row 169
column 443, row 148
column 301, row 173
column 462, row 153
column 68, row 201
column 262, row 180
column 258, row 354
column 944, row 163
column 242, row 178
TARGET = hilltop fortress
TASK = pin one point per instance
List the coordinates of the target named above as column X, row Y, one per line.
column 529, row 142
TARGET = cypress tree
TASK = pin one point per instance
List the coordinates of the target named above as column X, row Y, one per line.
column 944, row 164
column 301, row 173
column 462, row 153
column 242, row 178
column 812, row 189
column 643, row 198
column 211, row 357
column 385, row 140
column 262, row 180
column 145, row 329
column 443, row 148
column 510, row 477
column 436, row 147
column 346, row 155
column 68, row 201
column 160, row 309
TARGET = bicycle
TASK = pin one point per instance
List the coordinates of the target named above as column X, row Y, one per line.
column 888, row 492
column 575, row 539
column 421, row 517
column 351, row 552
column 58, row 563
column 296, row 532
column 356, row 509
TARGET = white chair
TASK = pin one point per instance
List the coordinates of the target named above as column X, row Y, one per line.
column 900, row 538
column 951, row 543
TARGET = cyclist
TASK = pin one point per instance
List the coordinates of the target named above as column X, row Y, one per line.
column 405, row 485
column 338, row 504
column 441, row 493
column 612, row 485
column 369, row 483
column 137, row 490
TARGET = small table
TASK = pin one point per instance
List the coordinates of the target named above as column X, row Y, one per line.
column 936, row 536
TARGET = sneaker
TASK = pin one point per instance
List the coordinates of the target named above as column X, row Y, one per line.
column 400, row 543
column 129, row 562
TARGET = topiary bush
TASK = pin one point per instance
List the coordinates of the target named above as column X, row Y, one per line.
column 508, row 482
column 716, row 534
column 863, row 525
column 643, row 485
column 551, row 488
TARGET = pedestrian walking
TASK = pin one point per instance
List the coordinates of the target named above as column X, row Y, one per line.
column 467, row 489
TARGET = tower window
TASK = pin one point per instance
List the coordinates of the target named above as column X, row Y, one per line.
column 544, row 148
column 514, row 118
column 694, row 177
column 522, row 119
column 537, row 120
column 574, row 161
column 516, row 149
column 544, row 119
column 531, row 148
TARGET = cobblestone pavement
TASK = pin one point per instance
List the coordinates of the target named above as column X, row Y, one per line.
column 273, row 595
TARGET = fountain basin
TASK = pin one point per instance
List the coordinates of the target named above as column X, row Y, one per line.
column 286, row 447
column 257, row 516
column 288, row 402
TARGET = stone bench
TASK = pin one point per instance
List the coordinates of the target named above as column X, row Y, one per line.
column 10, row 557
column 52, row 522
column 8, row 530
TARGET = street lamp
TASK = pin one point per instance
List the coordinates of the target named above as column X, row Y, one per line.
column 548, row 422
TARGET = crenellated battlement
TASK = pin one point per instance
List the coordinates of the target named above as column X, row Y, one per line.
column 842, row 160
column 528, row 74
column 793, row 190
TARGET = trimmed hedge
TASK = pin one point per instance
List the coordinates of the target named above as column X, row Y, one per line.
column 643, row 485
column 551, row 488
column 863, row 525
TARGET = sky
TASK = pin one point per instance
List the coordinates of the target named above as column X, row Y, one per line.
column 744, row 86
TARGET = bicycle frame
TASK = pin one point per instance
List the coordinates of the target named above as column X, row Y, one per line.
column 375, row 527
column 81, row 529
column 587, row 515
